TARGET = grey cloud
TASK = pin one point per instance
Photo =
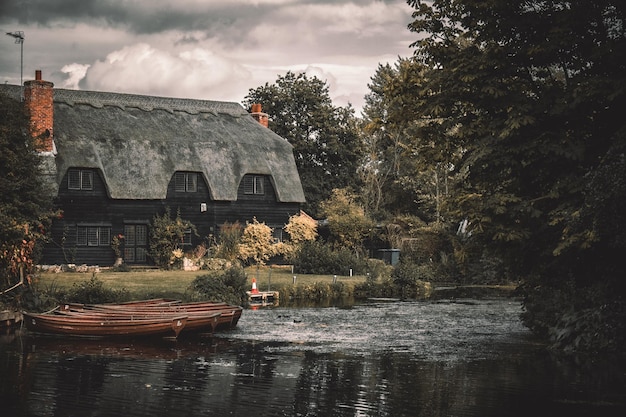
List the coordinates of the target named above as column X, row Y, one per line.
column 344, row 37
column 46, row 12
column 141, row 17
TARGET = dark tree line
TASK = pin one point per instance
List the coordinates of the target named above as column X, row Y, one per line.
column 532, row 94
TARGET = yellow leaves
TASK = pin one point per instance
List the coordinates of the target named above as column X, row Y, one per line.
column 257, row 243
column 301, row 228
column 347, row 220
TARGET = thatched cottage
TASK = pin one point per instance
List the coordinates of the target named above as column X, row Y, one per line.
column 117, row 160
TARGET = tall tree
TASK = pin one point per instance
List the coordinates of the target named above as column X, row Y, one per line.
column 348, row 223
column 25, row 203
column 535, row 92
column 411, row 155
column 326, row 140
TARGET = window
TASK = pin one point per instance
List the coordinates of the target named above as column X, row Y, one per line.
column 93, row 236
column 277, row 233
column 253, row 184
column 186, row 182
column 187, row 238
column 79, row 179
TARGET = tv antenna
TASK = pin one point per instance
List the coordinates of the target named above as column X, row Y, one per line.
column 19, row 38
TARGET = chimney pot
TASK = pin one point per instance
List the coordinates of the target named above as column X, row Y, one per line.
column 258, row 115
column 38, row 75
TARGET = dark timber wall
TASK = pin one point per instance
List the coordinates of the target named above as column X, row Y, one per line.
column 93, row 208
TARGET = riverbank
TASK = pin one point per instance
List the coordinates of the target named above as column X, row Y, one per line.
column 148, row 283
column 154, row 283
column 143, row 283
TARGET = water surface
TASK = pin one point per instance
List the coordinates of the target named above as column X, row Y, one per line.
column 444, row 358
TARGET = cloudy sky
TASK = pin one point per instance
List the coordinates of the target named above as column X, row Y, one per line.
column 206, row 49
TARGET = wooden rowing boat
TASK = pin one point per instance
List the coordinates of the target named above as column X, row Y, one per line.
column 228, row 318
column 199, row 321
column 163, row 317
column 85, row 325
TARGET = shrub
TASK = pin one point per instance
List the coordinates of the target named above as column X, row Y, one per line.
column 317, row 291
column 257, row 243
column 301, row 228
column 411, row 280
column 377, row 269
column 93, row 291
column 319, row 258
column 217, row 264
column 121, row 268
column 228, row 241
column 370, row 288
column 166, row 237
column 227, row 285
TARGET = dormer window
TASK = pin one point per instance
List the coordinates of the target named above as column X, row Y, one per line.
column 80, row 179
column 254, row 184
column 186, row 182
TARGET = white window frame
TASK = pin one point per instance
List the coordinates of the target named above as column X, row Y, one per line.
column 93, row 236
column 186, row 182
column 254, row 185
column 80, row 179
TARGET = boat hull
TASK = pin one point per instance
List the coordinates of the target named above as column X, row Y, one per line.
column 138, row 318
column 104, row 326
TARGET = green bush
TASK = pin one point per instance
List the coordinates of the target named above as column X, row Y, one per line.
column 166, row 236
column 226, row 285
column 371, row 288
column 316, row 291
column 228, row 241
column 377, row 269
column 576, row 318
column 412, row 280
column 93, row 291
column 321, row 259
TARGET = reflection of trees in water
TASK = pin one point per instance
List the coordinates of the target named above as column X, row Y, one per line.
column 16, row 377
column 77, row 382
column 328, row 385
column 254, row 387
column 184, row 378
column 399, row 384
column 271, row 379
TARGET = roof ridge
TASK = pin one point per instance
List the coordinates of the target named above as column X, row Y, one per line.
column 99, row 99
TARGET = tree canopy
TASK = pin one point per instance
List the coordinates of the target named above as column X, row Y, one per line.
column 257, row 243
column 410, row 154
column 25, row 203
column 347, row 221
column 326, row 140
column 533, row 93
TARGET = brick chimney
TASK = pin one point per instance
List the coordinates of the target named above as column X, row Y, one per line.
column 259, row 116
column 39, row 103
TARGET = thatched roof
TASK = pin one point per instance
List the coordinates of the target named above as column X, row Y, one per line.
column 138, row 142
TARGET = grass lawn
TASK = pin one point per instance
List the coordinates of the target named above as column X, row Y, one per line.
column 153, row 282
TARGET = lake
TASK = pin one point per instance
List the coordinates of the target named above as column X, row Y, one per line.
column 464, row 357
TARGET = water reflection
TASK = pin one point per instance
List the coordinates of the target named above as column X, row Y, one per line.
column 419, row 359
